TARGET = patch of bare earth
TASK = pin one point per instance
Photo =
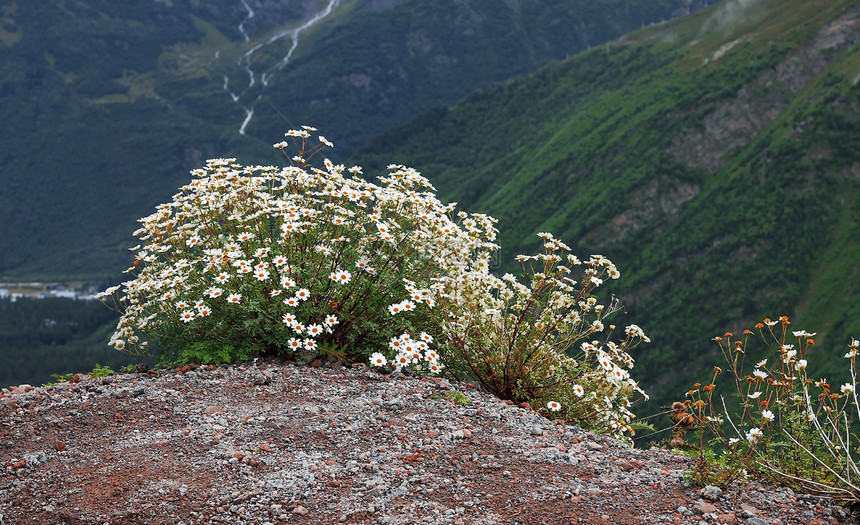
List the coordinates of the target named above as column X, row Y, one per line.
column 274, row 443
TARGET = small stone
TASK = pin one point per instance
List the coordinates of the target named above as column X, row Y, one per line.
column 748, row 510
column 711, row 492
column 300, row 510
column 20, row 389
column 728, row 517
column 561, row 448
column 632, row 464
column 262, row 377
column 704, row 507
column 19, row 464
column 59, row 445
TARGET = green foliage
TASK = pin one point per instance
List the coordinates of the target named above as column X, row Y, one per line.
column 101, row 371
column 455, row 397
column 59, row 378
column 206, row 352
column 97, row 371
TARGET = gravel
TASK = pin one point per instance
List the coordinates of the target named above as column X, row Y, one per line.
column 274, row 443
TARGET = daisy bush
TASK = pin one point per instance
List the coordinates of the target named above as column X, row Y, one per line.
column 546, row 341
column 787, row 427
column 265, row 260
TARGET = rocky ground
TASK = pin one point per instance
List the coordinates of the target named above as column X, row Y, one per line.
column 275, row 443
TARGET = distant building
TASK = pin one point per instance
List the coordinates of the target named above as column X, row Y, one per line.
column 69, row 294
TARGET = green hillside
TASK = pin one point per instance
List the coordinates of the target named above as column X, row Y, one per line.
column 715, row 159
column 107, row 105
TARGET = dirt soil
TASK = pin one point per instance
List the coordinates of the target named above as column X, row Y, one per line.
column 276, row 443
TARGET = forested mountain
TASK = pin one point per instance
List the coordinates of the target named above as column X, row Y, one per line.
column 715, row 159
column 107, row 105
column 41, row 337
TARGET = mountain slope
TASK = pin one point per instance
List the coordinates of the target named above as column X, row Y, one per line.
column 107, row 106
column 714, row 158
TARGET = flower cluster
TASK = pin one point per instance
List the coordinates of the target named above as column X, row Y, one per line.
column 520, row 340
column 276, row 260
column 301, row 260
column 787, row 427
column 409, row 352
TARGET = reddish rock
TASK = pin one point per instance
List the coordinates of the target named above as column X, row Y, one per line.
column 212, row 410
column 705, row 508
column 75, row 379
column 20, row 389
column 525, row 405
column 316, row 363
column 730, row 518
column 59, row 445
column 632, row 464
column 19, row 464
column 266, row 448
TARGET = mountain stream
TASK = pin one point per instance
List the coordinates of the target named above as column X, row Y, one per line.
column 244, row 61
